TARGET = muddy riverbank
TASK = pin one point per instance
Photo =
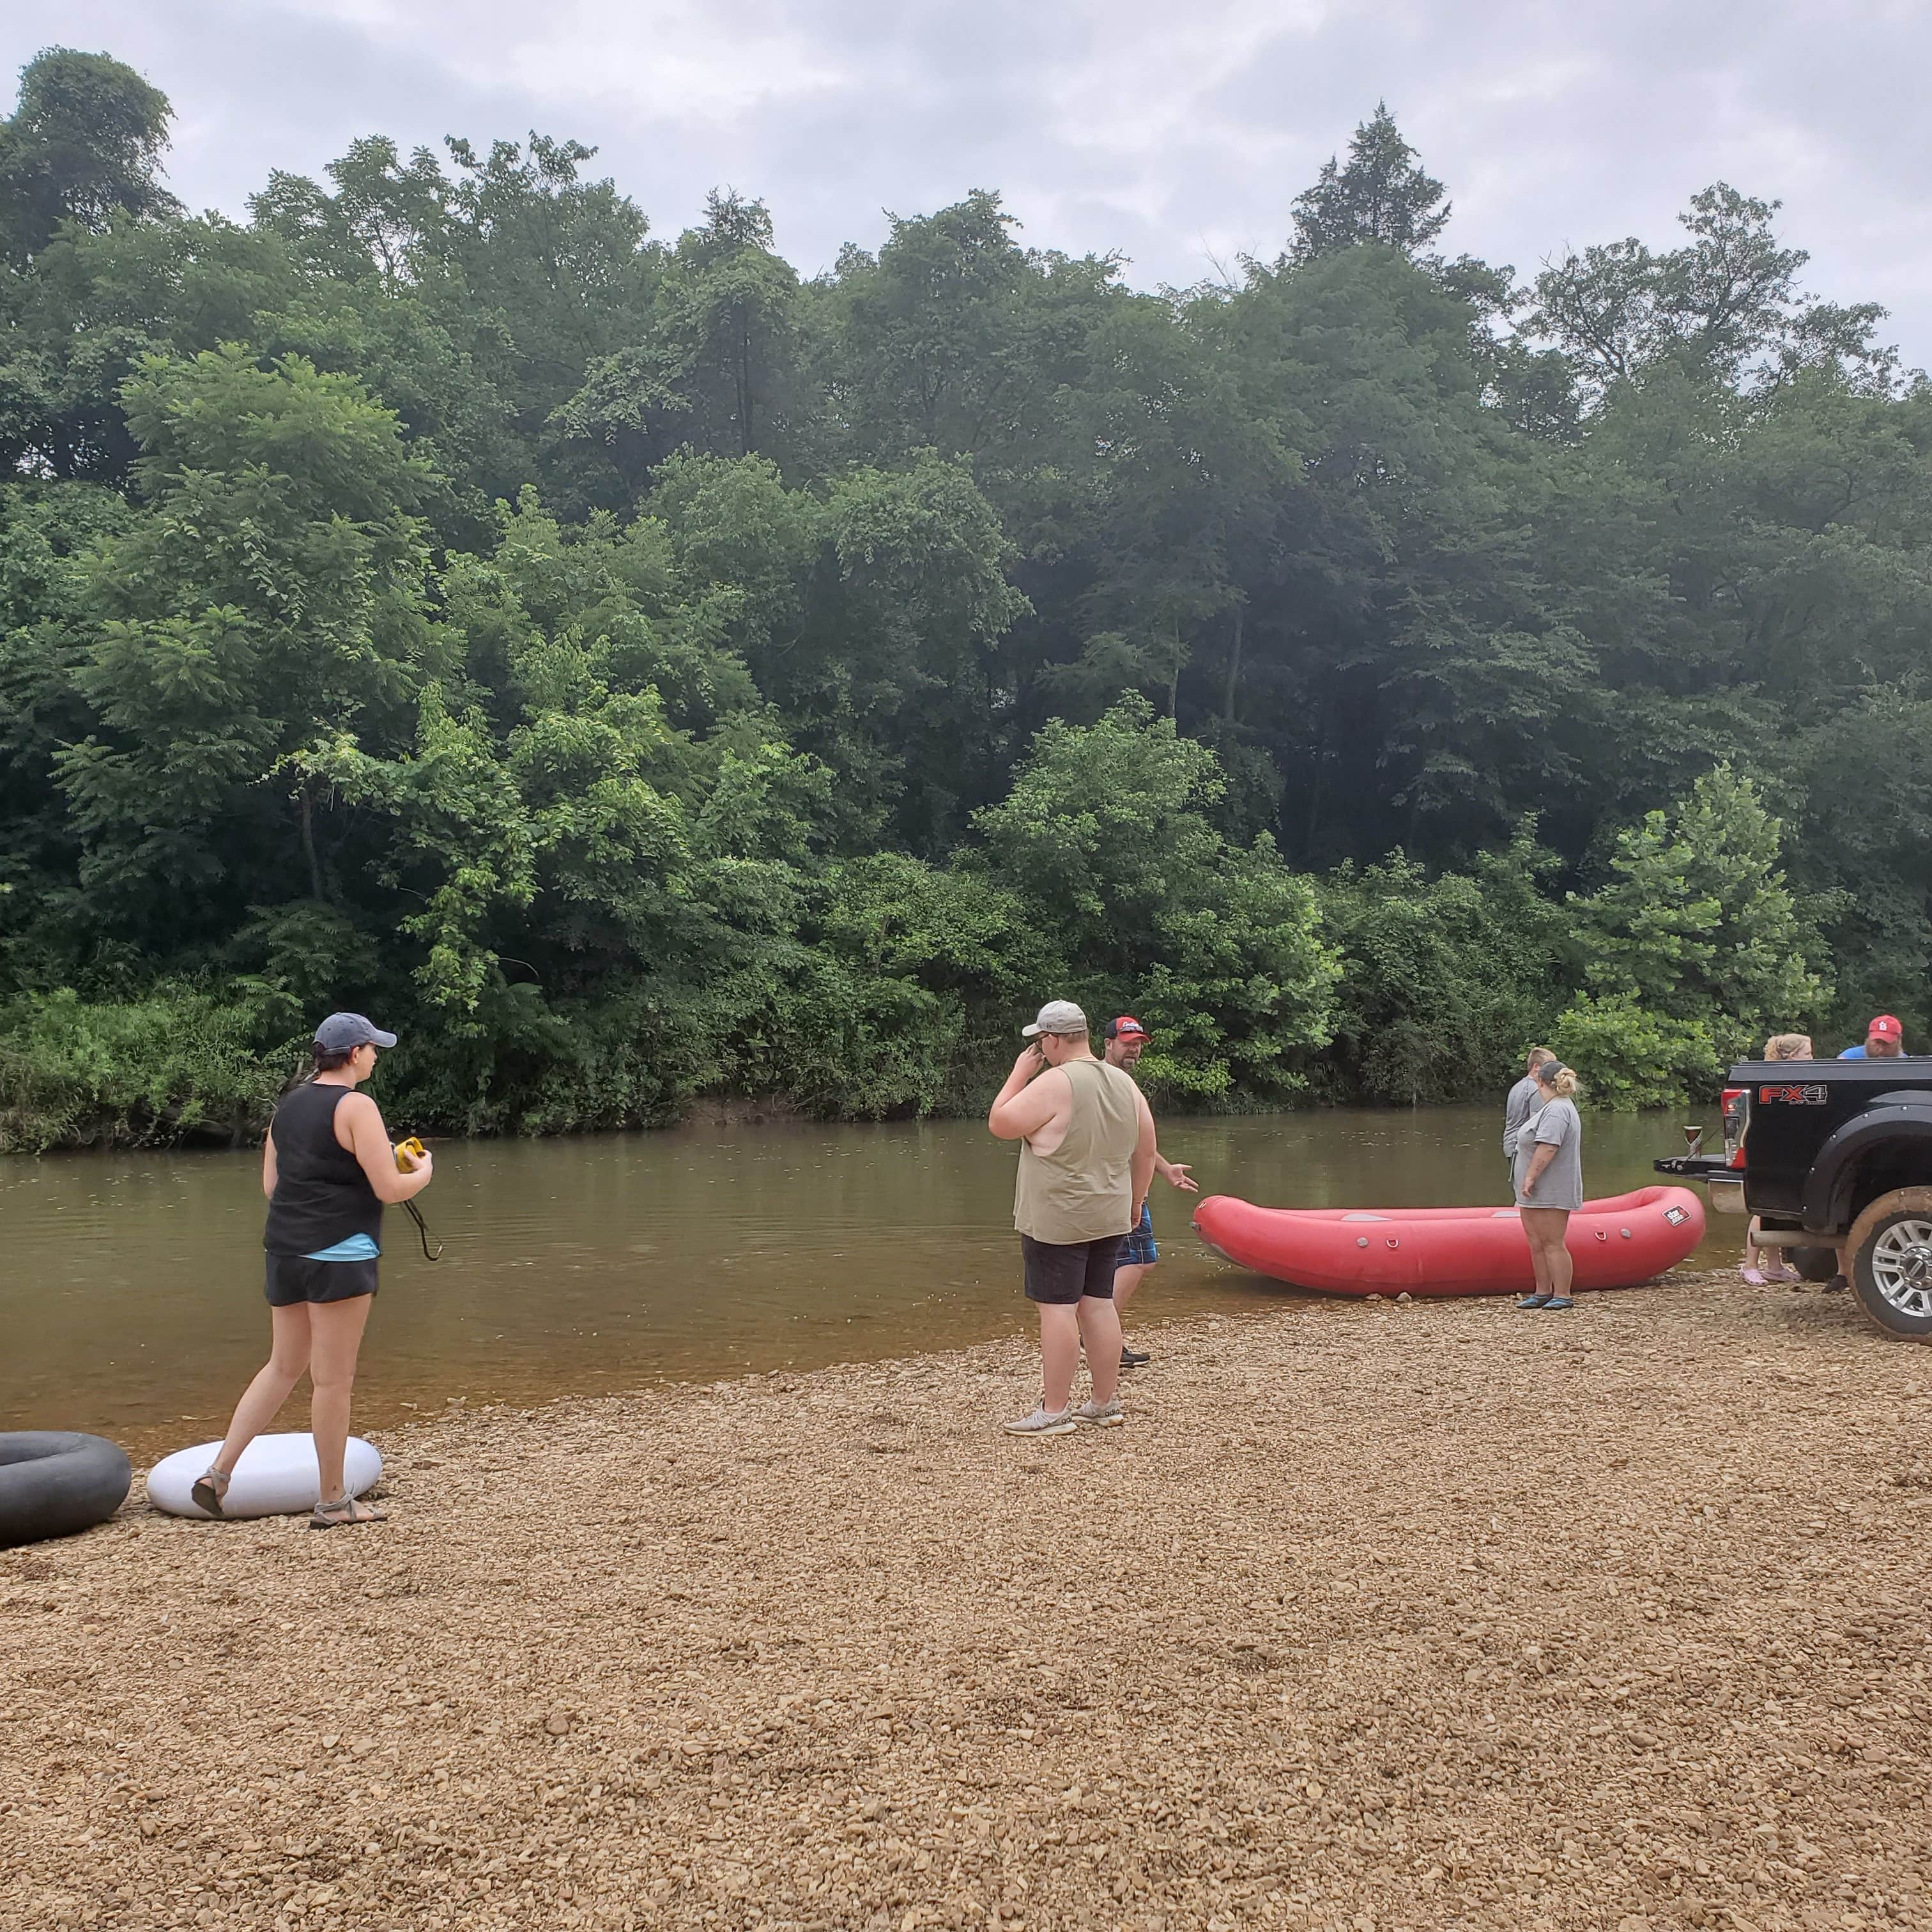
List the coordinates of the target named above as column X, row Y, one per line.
column 1445, row 1616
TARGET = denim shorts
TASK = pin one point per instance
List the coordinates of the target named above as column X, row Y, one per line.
column 1139, row 1250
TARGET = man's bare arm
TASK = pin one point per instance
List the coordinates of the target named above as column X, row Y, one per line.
column 1144, row 1156
column 1028, row 1100
column 1175, row 1173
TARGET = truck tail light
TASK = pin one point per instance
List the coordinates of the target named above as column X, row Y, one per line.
column 1734, row 1100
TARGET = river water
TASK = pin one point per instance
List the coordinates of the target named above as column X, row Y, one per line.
column 131, row 1301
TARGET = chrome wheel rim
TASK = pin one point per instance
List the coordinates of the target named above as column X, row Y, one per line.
column 1901, row 1266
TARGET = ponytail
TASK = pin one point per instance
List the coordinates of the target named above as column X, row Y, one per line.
column 322, row 1060
column 1560, row 1080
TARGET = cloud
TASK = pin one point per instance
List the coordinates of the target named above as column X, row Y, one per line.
column 1175, row 136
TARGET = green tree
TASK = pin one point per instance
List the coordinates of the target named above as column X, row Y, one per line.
column 913, row 971
column 273, row 592
column 1404, row 674
column 1869, row 868
column 91, row 306
column 1189, row 496
column 1381, row 196
column 1105, row 838
column 546, row 269
column 655, row 674
column 728, row 304
column 954, row 337
column 1445, row 980
column 387, row 217
column 1726, row 304
column 717, row 372
column 1630, row 1056
column 1694, row 939
column 83, row 144
column 47, row 534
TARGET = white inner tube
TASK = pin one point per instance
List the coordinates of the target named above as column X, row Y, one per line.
column 277, row 1476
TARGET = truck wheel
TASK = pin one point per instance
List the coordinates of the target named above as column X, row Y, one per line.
column 1891, row 1274
column 1815, row 1264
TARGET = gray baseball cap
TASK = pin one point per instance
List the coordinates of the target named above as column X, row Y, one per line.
column 340, row 1032
column 1057, row 1016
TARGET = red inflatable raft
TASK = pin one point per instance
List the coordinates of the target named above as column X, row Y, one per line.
column 1421, row 1251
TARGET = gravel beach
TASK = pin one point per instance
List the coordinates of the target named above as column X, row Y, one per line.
column 1407, row 1616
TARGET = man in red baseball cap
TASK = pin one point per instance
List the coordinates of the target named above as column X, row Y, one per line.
column 1126, row 1041
column 1885, row 1039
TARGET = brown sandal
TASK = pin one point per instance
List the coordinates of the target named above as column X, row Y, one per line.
column 210, row 1486
column 345, row 1512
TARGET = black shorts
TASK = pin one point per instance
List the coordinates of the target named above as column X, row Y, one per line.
column 294, row 1278
column 1064, row 1273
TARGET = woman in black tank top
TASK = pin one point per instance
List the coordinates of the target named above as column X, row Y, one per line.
column 327, row 1168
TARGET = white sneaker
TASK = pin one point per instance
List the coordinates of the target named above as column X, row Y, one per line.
column 1042, row 1422
column 1100, row 1415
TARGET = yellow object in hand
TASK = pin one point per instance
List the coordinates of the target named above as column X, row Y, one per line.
column 413, row 1148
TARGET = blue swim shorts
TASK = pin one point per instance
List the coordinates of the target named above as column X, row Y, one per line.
column 1139, row 1250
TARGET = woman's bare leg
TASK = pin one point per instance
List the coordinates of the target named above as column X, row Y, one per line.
column 1545, row 1227
column 1539, row 1261
column 335, row 1336
column 274, row 1382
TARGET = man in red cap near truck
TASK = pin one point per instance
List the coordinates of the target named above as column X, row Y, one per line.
column 1126, row 1041
column 1885, row 1039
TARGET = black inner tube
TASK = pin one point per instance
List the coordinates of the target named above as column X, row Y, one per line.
column 55, row 1482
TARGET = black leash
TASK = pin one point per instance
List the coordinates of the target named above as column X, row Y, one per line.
column 422, row 1230
column 415, row 1148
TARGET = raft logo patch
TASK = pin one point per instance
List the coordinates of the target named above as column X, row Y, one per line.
column 1792, row 1096
column 1676, row 1215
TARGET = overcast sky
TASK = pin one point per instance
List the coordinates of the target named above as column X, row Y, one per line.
column 1176, row 135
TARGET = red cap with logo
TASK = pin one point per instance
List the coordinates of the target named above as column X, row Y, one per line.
column 1884, row 1027
column 1127, row 1027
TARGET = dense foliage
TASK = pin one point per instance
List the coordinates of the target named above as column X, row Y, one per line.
column 636, row 672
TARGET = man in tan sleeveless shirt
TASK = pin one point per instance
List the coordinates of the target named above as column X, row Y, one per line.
column 1086, row 1145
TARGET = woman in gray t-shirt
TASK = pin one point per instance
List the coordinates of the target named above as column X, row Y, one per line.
column 1550, row 1182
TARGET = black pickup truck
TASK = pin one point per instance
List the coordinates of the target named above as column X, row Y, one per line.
column 1834, row 1158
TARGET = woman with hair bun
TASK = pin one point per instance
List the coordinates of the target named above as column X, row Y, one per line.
column 327, row 1168
column 1779, row 1046
column 1550, row 1182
